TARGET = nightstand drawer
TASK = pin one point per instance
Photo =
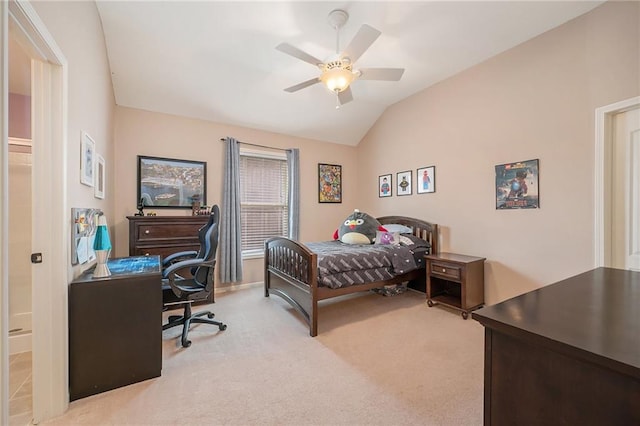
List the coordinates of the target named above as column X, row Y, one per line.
column 446, row 270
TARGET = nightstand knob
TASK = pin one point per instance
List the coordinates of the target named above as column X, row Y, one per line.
column 146, row 231
column 444, row 270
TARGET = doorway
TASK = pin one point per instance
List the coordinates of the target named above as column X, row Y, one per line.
column 49, row 206
column 616, row 184
column 20, row 193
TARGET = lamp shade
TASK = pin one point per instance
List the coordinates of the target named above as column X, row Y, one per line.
column 102, row 240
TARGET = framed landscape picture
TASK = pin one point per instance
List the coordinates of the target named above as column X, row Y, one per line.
column 171, row 183
column 517, row 185
column 403, row 183
column 329, row 183
column 426, row 180
column 385, row 185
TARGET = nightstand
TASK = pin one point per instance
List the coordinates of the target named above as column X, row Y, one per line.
column 456, row 281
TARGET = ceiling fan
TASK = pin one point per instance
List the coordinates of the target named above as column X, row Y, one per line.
column 338, row 72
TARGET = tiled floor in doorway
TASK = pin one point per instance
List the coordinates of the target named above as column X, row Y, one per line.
column 20, row 380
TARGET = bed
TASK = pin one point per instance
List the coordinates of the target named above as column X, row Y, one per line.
column 291, row 271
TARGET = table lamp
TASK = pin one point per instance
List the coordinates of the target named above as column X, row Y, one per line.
column 102, row 247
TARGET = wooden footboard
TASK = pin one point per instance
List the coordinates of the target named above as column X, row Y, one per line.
column 291, row 271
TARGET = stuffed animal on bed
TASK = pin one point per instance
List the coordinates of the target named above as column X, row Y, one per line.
column 358, row 228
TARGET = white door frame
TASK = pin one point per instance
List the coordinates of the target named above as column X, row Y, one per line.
column 602, row 240
column 51, row 229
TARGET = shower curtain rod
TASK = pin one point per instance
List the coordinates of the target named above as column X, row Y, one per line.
column 255, row 144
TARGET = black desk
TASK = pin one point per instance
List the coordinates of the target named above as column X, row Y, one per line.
column 567, row 353
column 115, row 326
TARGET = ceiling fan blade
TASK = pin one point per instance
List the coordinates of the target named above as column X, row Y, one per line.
column 345, row 96
column 364, row 38
column 297, row 53
column 388, row 74
column 302, row 85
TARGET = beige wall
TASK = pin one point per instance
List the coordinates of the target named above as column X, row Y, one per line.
column 534, row 101
column 140, row 132
column 77, row 30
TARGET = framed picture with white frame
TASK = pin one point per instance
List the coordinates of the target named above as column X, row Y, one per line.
column 100, row 175
column 87, row 154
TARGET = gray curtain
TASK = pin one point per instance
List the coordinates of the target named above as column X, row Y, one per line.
column 293, row 169
column 231, row 229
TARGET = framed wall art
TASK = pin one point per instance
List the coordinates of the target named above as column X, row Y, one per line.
column 87, row 154
column 426, row 180
column 100, row 175
column 171, row 183
column 517, row 185
column 403, row 183
column 385, row 185
column 329, row 183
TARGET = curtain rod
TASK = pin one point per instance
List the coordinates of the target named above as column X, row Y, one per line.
column 255, row 144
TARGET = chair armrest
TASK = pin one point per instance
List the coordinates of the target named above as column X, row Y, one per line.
column 170, row 272
column 179, row 256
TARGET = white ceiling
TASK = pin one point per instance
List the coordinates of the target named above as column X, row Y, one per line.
column 217, row 61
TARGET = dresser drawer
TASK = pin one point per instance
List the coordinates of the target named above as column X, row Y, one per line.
column 446, row 270
column 146, row 232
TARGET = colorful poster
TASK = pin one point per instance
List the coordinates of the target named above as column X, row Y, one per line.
column 517, row 185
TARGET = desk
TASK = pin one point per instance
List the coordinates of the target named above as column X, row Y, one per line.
column 115, row 326
column 567, row 353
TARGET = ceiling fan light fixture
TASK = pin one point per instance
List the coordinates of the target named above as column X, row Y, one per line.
column 337, row 76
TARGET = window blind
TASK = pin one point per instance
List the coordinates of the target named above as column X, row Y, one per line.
column 263, row 202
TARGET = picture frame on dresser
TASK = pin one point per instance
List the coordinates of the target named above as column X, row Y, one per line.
column 171, row 183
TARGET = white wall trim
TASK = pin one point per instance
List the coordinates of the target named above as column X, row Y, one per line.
column 603, row 140
column 4, row 216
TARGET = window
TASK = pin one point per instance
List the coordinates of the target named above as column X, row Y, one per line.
column 264, row 201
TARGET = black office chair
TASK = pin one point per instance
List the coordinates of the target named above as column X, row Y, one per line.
column 178, row 290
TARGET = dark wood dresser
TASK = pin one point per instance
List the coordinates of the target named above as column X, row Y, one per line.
column 567, row 353
column 164, row 235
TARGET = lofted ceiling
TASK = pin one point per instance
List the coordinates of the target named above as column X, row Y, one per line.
column 217, row 61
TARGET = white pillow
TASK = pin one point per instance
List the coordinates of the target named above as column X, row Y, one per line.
column 396, row 227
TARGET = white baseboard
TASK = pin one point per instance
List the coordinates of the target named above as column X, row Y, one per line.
column 235, row 287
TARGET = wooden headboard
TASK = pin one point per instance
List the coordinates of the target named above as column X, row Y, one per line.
column 421, row 229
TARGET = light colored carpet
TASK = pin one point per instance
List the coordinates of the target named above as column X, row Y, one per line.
column 376, row 361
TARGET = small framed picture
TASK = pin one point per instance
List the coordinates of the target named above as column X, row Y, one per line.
column 87, row 153
column 385, row 186
column 329, row 183
column 426, row 180
column 100, row 175
column 404, row 183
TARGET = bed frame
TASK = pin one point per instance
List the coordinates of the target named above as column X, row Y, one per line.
column 291, row 271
